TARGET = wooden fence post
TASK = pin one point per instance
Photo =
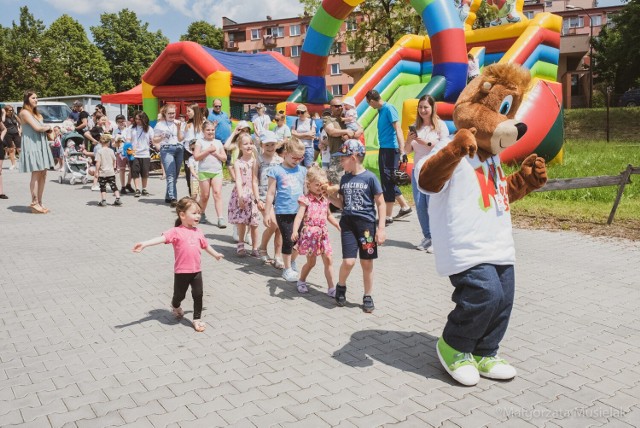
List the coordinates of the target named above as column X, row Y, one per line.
column 624, row 179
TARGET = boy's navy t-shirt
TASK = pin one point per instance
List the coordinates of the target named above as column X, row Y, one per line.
column 358, row 192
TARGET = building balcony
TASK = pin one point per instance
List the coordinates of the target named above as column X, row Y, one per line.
column 269, row 41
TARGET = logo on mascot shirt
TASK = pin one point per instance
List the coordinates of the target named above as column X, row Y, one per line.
column 492, row 183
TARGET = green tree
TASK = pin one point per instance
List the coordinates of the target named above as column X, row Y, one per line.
column 74, row 64
column 384, row 23
column 617, row 50
column 484, row 15
column 21, row 57
column 204, row 34
column 128, row 46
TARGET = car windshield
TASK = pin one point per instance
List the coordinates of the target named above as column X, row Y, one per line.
column 54, row 113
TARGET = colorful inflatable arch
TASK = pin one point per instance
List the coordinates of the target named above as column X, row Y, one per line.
column 437, row 65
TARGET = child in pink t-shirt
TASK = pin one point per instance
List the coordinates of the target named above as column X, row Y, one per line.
column 187, row 242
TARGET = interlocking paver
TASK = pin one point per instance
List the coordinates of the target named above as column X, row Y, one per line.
column 82, row 344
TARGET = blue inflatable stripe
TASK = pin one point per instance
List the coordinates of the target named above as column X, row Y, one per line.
column 426, row 67
column 456, row 75
column 543, row 53
column 316, row 89
column 450, row 126
column 317, row 43
column 440, row 16
column 492, row 58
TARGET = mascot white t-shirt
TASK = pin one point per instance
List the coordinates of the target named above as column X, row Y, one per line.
column 470, row 218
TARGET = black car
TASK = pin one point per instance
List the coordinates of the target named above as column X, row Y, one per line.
column 631, row 98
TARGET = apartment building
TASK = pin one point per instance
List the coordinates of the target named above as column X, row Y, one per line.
column 581, row 20
column 286, row 36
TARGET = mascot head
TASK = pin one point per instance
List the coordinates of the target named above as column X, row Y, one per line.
column 489, row 104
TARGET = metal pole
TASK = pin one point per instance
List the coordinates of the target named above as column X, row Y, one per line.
column 590, row 61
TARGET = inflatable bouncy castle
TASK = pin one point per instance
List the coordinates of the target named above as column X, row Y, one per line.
column 436, row 64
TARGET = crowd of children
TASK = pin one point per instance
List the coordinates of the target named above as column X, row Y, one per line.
column 274, row 185
column 294, row 206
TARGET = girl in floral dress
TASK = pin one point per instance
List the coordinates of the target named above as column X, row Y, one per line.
column 313, row 240
column 243, row 208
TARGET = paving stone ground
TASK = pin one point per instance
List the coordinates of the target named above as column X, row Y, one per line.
column 87, row 339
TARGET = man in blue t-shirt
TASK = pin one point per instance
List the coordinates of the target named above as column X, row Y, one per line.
column 223, row 130
column 391, row 141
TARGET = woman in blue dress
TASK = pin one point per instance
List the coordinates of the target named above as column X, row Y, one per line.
column 36, row 155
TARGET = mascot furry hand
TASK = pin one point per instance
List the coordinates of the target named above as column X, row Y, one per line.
column 470, row 220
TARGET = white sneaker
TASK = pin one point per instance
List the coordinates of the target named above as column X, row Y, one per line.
column 290, row 275
column 424, row 244
column 95, row 188
column 430, row 249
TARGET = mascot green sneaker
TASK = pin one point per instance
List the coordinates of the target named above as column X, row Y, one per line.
column 461, row 366
column 495, row 368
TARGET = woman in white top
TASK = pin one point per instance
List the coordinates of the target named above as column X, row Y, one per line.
column 261, row 121
column 168, row 134
column 304, row 129
column 429, row 130
column 141, row 137
column 192, row 131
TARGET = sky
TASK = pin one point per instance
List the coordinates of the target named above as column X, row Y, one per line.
column 172, row 17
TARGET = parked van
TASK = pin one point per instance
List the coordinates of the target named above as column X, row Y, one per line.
column 53, row 112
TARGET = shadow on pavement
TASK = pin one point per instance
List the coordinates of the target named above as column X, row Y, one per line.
column 282, row 289
column 146, row 200
column 19, row 209
column 405, row 350
column 399, row 244
column 161, row 315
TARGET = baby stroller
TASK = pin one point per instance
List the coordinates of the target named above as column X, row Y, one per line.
column 74, row 163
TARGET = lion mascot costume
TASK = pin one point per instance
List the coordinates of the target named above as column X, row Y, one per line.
column 470, row 217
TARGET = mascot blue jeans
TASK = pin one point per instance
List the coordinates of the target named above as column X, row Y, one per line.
column 484, row 298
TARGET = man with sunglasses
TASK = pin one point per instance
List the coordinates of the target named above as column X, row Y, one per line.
column 337, row 134
column 223, row 129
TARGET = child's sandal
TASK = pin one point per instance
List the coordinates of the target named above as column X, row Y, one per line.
column 177, row 312
column 278, row 264
column 199, row 326
column 240, row 251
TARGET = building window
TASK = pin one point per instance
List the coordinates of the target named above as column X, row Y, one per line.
column 335, row 69
column 279, row 50
column 294, row 30
column 335, row 48
column 349, row 87
column 336, row 89
column 573, row 22
column 351, row 25
column 596, row 20
column 255, row 51
column 548, row 4
column 275, row 31
column 529, row 14
column 350, row 45
column 295, row 51
column 255, row 34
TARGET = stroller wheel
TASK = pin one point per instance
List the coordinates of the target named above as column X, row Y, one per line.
column 85, row 180
column 60, row 179
column 72, row 181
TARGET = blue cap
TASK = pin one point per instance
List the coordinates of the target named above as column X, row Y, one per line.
column 350, row 147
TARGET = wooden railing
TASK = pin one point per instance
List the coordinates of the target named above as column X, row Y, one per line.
column 587, row 182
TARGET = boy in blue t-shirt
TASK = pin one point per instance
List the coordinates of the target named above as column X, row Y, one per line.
column 359, row 193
